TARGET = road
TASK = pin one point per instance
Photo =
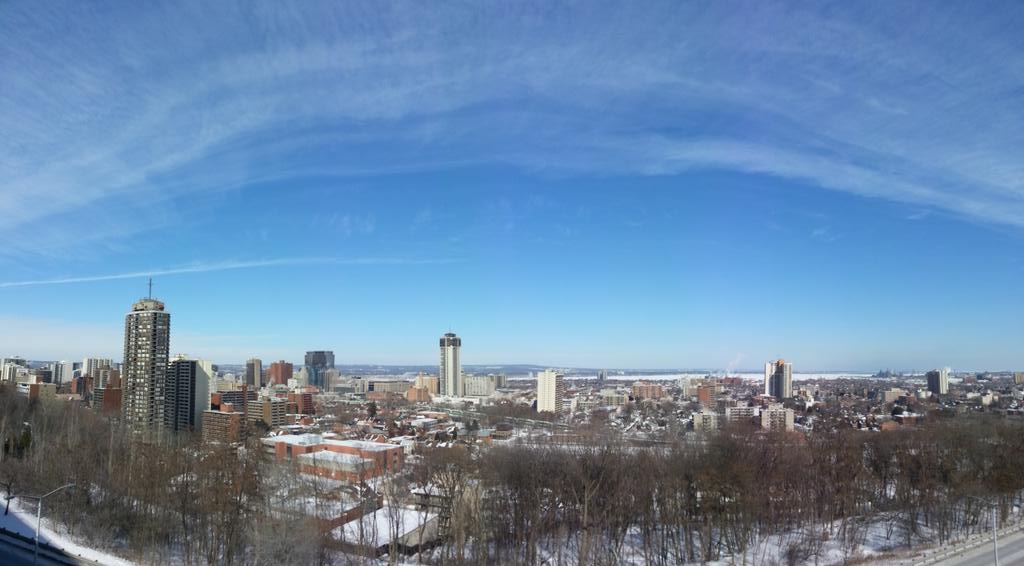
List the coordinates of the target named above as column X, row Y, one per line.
column 14, row 556
column 1011, row 553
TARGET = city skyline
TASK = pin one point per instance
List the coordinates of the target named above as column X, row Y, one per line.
column 564, row 186
column 247, row 371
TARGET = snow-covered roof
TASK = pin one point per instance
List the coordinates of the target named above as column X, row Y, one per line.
column 326, row 456
column 298, row 439
column 365, row 445
column 376, row 529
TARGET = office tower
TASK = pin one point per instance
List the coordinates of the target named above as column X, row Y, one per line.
column 280, row 372
column 450, row 374
column 550, row 391
column 1018, row 377
column 147, row 338
column 329, row 378
column 316, row 363
column 938, row 381
column 602, row 375
column 428, row 382
column 254, row 373
column 186, row 395
column 11, row 369
column 91, row 365
column 273, row 412
column 107, row 401
column 778, row 379
column 63, row 372
column 500, row 380
column 21, row 362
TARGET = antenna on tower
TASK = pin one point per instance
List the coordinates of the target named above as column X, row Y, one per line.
column 150, row 287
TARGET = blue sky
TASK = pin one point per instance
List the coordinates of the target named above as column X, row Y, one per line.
column 589, row 184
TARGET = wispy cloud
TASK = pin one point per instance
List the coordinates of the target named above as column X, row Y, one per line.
column 824, row 234
column 224, row 266
column 111, row 120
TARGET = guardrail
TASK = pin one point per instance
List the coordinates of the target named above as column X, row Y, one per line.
column 969, row 544
column 51, row 553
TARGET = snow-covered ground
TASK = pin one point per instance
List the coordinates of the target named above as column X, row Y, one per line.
column 23, row 521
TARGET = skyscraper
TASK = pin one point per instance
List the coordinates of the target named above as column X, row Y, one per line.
column 938, row 381
column 550, row 391
column 186, row 396
column 254, row 373
column 91, row 365
column 147, row 339
column 450, row 373
column 280, row 372
column 317, row 362
column 778, row 379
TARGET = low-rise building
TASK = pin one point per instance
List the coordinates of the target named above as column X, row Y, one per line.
column 224, row 425
column 271, row 411
column 705, row 420
column 777, row 418
column 740, row 415
column 644, row 390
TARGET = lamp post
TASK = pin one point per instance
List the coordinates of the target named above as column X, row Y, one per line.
column 39, row 514
column 995, row 534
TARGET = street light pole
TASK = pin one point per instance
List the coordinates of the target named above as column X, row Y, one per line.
column 995, row 536
column 39, row 514
column 995, row 526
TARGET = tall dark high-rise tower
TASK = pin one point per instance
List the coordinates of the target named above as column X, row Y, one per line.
column 186, row 395
column 147, row 341
column 254, row 373
column 317, row 362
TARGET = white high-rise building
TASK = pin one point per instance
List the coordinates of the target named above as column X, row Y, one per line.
column 550, row 391
column 63, row 372
column 778, row 379
column 91, row 365
column 12, row 368
column 147, row 340
column 450, row 371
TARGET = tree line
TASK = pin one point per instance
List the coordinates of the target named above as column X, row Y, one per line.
column 589, row 503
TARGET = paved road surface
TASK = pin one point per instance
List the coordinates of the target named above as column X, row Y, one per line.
column 12, row 556
column 1011, row 553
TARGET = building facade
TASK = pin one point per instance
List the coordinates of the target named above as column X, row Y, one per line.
column 938, row 381
column 550, row 391
column 280, row 372
column 777, row 418
column 254, row 373
column 186, row 395
column 272, row 411
column 479, row 385
column 317, row 363
column 778, row 379
column 450, row 369
column 147, row 339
